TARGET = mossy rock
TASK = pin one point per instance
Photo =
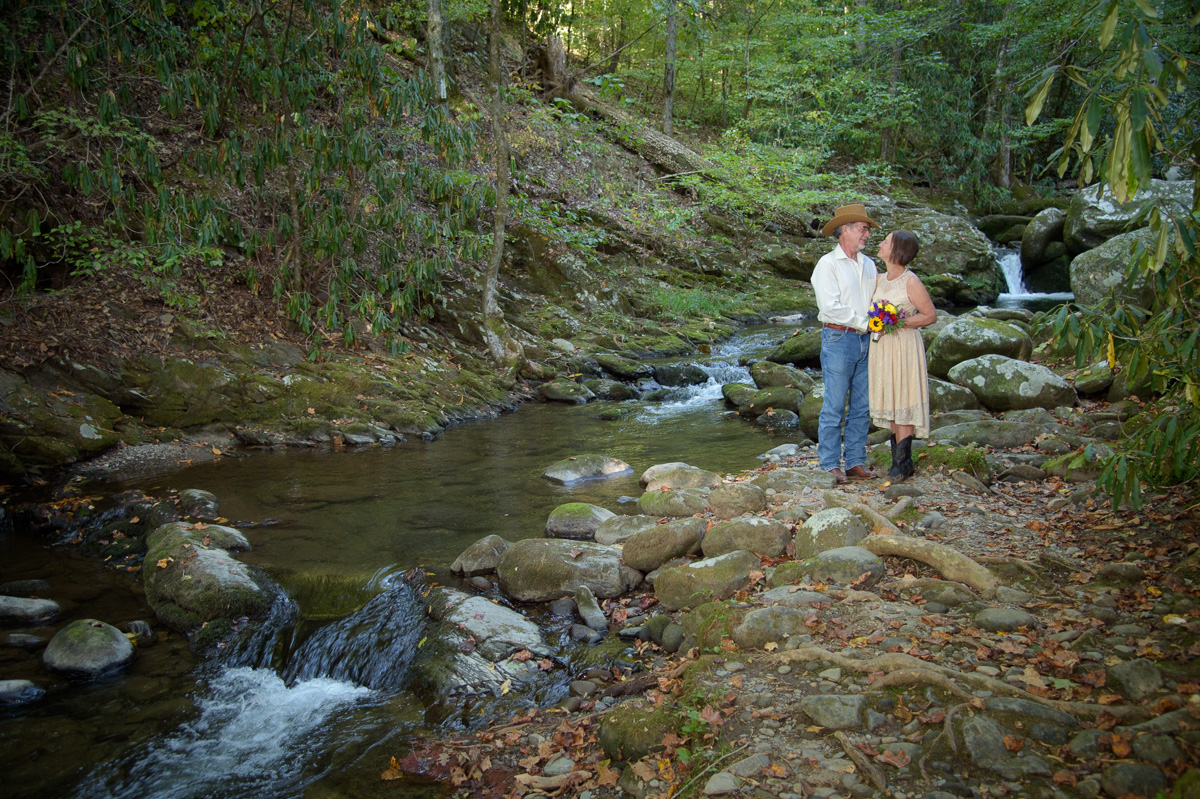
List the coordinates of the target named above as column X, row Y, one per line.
column 801, row 349
column 631, row 731
column 969, row 459
column 712, row 622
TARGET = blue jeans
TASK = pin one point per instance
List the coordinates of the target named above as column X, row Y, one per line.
column 844, row 369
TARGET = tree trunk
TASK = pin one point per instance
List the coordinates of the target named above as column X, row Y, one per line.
column 861, row 44
column 888, row 144
column 437, row 58
column 669, row 73
column 505, row 352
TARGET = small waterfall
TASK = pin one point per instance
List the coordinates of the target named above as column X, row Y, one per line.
column 1009, row 262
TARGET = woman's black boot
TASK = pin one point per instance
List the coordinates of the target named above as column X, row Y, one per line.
column 894, row 473
column 904, row 459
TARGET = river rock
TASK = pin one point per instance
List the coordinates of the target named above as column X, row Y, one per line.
column 739, row 395
column 683, row 502
column 1096, row 217
column 766, row 374
column 191, row 578
column 654, row 546
column 835, row 711
column 544, row 569
column 1133, row 779
column 734, row 499
column 764, row 537
column 985, row 742
column 589, row 609
column 620, row 529
column 14, row 693
column 610, row 390
column 657, row 470
column 586, row 467
column 1046, row 227
column 86, row 649
column 199, row 504
column 950, row 246
column 498, row 631
column 1004, row 620
column 829, row 529
column 945, row 397
column 810, row 411
column 990, row 432
column 680, row 374
column 766, row 400
column 578, row 520
column 1137, row 679
column 802, row 348
column 1003, row 384
column 793, row 481
column 793, row 597
column 563, row 389
column 705, row 580
column 624, row 368
column 680, row 476
column 20, row 610
column 480, row 557
column 1102, row 271
column 842, row 566
column 53, row 428
column 1094, row 379
column 777, row 624
column 970, row 337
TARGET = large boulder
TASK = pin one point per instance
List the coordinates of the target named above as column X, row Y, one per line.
column 480, row 557
column 802, row 348
column 497, row 631
column 576, row 520
column 651, row 548
column 951, row 246
column 86, row 649
column 705, row 580
column 620, row 529
column 624, row 368
column 763, row 400
column 679, row 475
column 755, row 534
column 794, row 481
column 191, row 577
column 586, row 467
column 945, row 397
column 562, row 389
column 1004, row 384
column 683, row 502
column 1042, row 230
column 676, row 374
column 768, row 375
column 1099, row 272
column 840, row 566
column 543, row 569
column 969, row 337
column 829, row 529
column 775, row 624
column 1093, row 218
column 734, row 499
column 995, row 433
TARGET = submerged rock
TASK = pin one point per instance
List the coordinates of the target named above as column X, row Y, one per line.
column 20, row 610
column 586, row 467
column 86, row 649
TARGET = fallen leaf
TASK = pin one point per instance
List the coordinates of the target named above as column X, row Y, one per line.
column 898, row 759
column 1014, row 743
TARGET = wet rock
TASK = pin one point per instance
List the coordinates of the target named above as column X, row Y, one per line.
column 705, row 580
column 563, row 389
column 734, row 499
column 26, row 641
column 800, row 349
column 1132, row 779
column 19, row 610
column 1044, row 229
column 620, row 529
column 586, row 467
column 1137, row 679
column 624, row 368
column 660, row 543
column 835, row 711
column 25, row 588
column 14, row 693
column 676, row 476
column 480, row 557
column 762, row 536
column 576, row 520
column 589, row 609
column 86, row 649
column 497, row 631
column 766, row 374
column 1004, row 619
column 199, row 504
column 775, row 624
column 541, row 570
column 564, row 607
column 1002, row 383
column 611, row 390
column 829, row 529
column 683, row 502
column 841, row 566
column 971, row 337
column 680, row 374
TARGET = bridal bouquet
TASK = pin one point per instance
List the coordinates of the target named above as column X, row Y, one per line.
column 884, row 318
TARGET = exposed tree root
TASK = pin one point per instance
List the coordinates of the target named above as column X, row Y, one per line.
column 864, row 764
column 920, row 677
column 950, row 563
column 878, row 523
column 895, row 510
column 947, row 732
column 898, row 661
column 1017, row 563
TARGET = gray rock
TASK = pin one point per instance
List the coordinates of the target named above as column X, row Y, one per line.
column 1133, row 779
column 620, row 529
column 1157, row 749
column 968, row 482
column 682, row 502
column 498, row 631
column 750, row 767
column 586, row 467
column 1021, row 472
column 1137, row 679
column 775, row 624
column 1024, row 709
column 558, row 766
column 26, row 641
column 1102, row 271
column 794, row 481
column 86, row 649
column 543, row 569
column 721, row 784
column 563, row 389
column 951, row 247
column 705, row 580
column 1003, row 383
column 1094, row 217
column 762, row 536
column 480, row 557
column 624, row 368
column 577, row 520
column 26, row 588
column 970, row 337
column 1046, row 227
column 791, row 596
column 685, row 374
column 14, row 693
column 673, row 636
column 931, row 521
column 835, row 711
column 802, row 348
column 1120, row 573
column 769, row 375
column 589, row 609
column 945, row 397
column 1095, row 379
column 1013, row 596
column 1004, row 620
column 989, row 432
column 19, row 610
column 680, row 476
column 610, row 390
column 660, row 543
column 841, row 566
column 829, row 529
column 199, row 504
column 1086, row 744
column 734, row 499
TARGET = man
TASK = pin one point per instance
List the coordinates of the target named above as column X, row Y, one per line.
column 844, row 281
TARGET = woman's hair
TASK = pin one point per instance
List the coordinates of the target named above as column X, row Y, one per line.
column 904, row 247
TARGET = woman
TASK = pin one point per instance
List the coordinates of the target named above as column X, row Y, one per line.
column 899, row 382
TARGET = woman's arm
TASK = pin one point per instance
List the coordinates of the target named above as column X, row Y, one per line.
column 926, row 314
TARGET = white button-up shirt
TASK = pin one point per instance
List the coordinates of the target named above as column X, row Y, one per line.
column 844, row 287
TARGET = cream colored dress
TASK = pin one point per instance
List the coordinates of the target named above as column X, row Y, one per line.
column 898, row 378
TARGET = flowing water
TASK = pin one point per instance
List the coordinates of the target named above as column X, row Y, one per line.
column 1017, row 296
column 316, row 702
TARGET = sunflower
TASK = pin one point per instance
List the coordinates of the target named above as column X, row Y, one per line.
column 875, row 324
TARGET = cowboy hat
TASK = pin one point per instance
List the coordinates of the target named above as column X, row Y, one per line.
column 845, row 215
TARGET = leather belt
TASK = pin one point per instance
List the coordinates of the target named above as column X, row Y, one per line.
column 842, row 328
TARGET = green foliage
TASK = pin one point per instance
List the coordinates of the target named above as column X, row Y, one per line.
column 1122, row 126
